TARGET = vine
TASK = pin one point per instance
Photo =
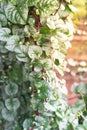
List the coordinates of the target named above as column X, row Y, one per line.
column 34, row 38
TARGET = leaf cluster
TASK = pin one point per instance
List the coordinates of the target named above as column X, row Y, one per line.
column 34, row 38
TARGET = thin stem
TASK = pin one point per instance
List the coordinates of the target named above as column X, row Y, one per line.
column 37, row 17
column 58, row 8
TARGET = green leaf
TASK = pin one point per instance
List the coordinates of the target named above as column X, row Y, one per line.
column 11, row 89
column 2, row 48
column 12, row 43
column 40, row 83
column 16, row 15
column 44, row 30
column 4, row 34
column 18, row 2
column 56, row 62
column 78, row 106
column 1, row 105
column 3, row 19
column 64, row 11
column 34, row 52
column 80, row 88
column 80, row 127
column 47, row 8
column 8, row 115
column 39, row 119
column 34, row 75
column 51, row 24
column 72, row 8
column 21, row 53
column 31, row 20
column 33, row 2
column 74, row 88
column 70, row 126
column 30, row 30
column 85, row 122
column 16, row 74
column 59, row 114
column 12, row 104
column 27, row 123
column 17, row 30
column 47, row 64
column 50, row 107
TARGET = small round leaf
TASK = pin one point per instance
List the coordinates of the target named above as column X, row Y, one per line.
column 12, row 104
column 8, row 115
column 27, row 123
column 34, row 51
column 56, row 62
column 11, row 89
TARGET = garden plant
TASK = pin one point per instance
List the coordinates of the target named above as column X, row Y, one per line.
column 34, row 38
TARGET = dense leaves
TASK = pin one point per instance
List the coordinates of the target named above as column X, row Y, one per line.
column 4, row 34
column 34, row 38
column 16, row 15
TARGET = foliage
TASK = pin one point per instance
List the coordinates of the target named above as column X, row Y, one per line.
column 81, row 105
column 81, row 89
column 34, row 38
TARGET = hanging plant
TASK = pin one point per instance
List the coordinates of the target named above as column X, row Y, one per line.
column 34, row 38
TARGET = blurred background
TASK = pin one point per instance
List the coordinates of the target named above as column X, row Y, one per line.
column 77, row 55
column 79, row 43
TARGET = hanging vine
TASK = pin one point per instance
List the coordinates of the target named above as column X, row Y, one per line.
column 34, row 38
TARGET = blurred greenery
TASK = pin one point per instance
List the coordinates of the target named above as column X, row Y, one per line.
column 81, row 9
